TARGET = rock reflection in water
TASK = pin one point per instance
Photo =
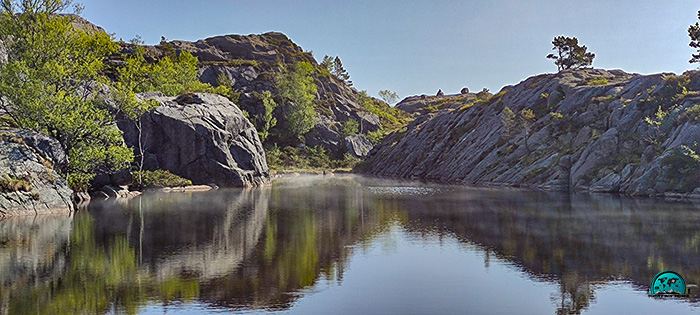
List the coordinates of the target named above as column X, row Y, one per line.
column 262, row 249
column 575, row 240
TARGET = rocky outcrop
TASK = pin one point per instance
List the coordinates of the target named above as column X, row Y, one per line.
column 252, row 62
column 597, row 130
column 31, row 183
column 201, row 137
column 423, row 104
column 358, row 145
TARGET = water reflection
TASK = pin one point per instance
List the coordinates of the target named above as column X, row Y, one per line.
column 249, row 249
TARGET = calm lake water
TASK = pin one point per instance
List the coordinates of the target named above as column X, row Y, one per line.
column 350, row 245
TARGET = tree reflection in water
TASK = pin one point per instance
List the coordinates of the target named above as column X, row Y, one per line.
column 247, row 249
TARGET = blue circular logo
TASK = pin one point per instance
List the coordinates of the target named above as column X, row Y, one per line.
column 667, row 282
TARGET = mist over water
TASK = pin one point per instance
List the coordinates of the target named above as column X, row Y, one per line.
column 348, row 245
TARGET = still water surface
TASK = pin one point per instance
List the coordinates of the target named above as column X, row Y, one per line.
column 350, row 245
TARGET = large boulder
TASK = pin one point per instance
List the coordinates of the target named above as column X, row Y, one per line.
column 358, row 145
column 202, row 137
column 30, row 175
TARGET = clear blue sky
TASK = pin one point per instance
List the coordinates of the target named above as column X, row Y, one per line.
column 418, row 47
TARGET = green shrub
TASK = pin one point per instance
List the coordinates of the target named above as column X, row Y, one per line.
column 684, row 164
column 693, row 113
column 682, row 160
column 484, row 95
column 597, row 81
column 349, row 128
column 306, row 159
column 12, row 184
column 159, row 179
column 376, row 137
column 317, row 157
column 391, row 118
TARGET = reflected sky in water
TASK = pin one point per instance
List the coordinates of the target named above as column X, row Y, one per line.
column 348, row 245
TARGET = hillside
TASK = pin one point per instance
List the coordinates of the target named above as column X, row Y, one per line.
column 591, row 130
column 252, row 64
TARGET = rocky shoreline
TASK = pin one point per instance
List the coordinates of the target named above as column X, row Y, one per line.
column 585, row 130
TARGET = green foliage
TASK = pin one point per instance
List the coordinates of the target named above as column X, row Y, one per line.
column 556, row 116
column 327, row 63
column 484, row 95
column 43, row 85
column 339, row 71
column 694, row 33
column 98, row 277
column 266, row 121
column 597, row 81
column 662, row 123
column 469, row 105
column 389, row 97
column 659, row 116
column 224, row 87
column 673, row 89
column 297, row 86
column 391, row 118
column 13, row 184
column 376, row 137
column 693, row 113
column 306, row 159
column 683, row 160
column 175, row 76
column 516, row 123
column 683, row 165
column 569, row 54
column 349, row 128
column 159, row 179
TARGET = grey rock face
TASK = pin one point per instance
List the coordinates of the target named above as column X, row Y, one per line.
column 325, row 133
column 358, row 145
column 37, row 160
column 251, row 63
column 585, row 137
column 202, row 137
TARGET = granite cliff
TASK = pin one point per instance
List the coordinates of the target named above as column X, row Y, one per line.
column 591, row 130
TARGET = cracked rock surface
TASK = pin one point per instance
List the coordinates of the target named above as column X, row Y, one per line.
column 201, row 137
column 37, row 161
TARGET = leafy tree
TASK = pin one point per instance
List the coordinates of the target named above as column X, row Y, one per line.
column 176, row 75
column 296, row 85
column 50, row 81
column 266, row 121
column 569, row 54
column 694, row 33
column 134, row 76
column 389, row 97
